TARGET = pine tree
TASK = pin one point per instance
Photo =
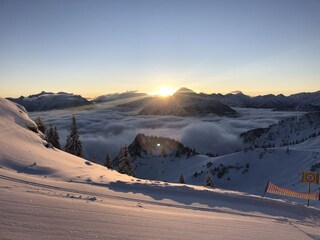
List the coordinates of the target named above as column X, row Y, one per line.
column 209, row 182
column 124, row 162
column 49, row 132
column 116, row 160
column 181, row 180
column 40, row 125
column 94, row 158
column 56, row 138
column 53, row 137
column 49, row 135
column 73, row 143
column 108, row 161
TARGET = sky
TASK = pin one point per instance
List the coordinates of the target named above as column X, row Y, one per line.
column 97, row 47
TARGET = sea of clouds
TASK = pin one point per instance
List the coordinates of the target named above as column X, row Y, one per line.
column 105, row 128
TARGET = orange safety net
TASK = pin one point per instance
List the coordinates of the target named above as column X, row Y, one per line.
column 271, row 188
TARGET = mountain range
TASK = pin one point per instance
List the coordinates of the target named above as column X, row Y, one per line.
column 294, row 102
column 184, row 102
column 305, row 101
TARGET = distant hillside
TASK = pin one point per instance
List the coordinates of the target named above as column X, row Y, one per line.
column 289, row 131
column 45, row 101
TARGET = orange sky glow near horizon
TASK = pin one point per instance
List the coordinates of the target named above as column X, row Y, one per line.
column 161, row 90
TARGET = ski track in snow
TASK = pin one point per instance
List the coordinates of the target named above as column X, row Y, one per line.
column 41, row 216
column 103, row 195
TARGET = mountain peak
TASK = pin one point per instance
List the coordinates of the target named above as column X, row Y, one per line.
column 184, row 90
column 39, row 94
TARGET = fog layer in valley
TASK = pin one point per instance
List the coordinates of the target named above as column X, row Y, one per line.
column 105, row 128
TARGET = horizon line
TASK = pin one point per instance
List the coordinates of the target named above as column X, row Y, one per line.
column 93, row 96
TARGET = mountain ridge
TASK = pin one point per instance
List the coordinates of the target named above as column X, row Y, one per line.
column 45, row 101
column 184, row 102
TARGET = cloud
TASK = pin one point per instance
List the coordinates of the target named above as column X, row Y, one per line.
column 210, row 137
column 100, row 145
column 106, row 128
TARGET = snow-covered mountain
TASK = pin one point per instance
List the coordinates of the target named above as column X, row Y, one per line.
column 184, row 102
column 295, row 102
column 289, row 131
column 45, row 101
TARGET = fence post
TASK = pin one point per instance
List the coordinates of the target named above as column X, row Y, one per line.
column 308, row 203
column 265, row 190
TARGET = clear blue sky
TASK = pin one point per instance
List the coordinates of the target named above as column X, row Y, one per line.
column 96, row 47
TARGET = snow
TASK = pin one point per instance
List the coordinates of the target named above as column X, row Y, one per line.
column 286, row 132
column 61, row 210
column 49, row 194
column 249, row 171
column 23, row 150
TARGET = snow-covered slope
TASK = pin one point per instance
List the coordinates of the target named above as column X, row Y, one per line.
column 34, row 208
column 24, row 150
column 248, row 170
column 45, row 194
column 242, row 171
column 289, row 131
column 45, row 101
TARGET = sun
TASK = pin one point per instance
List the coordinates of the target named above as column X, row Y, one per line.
column 165, row 92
